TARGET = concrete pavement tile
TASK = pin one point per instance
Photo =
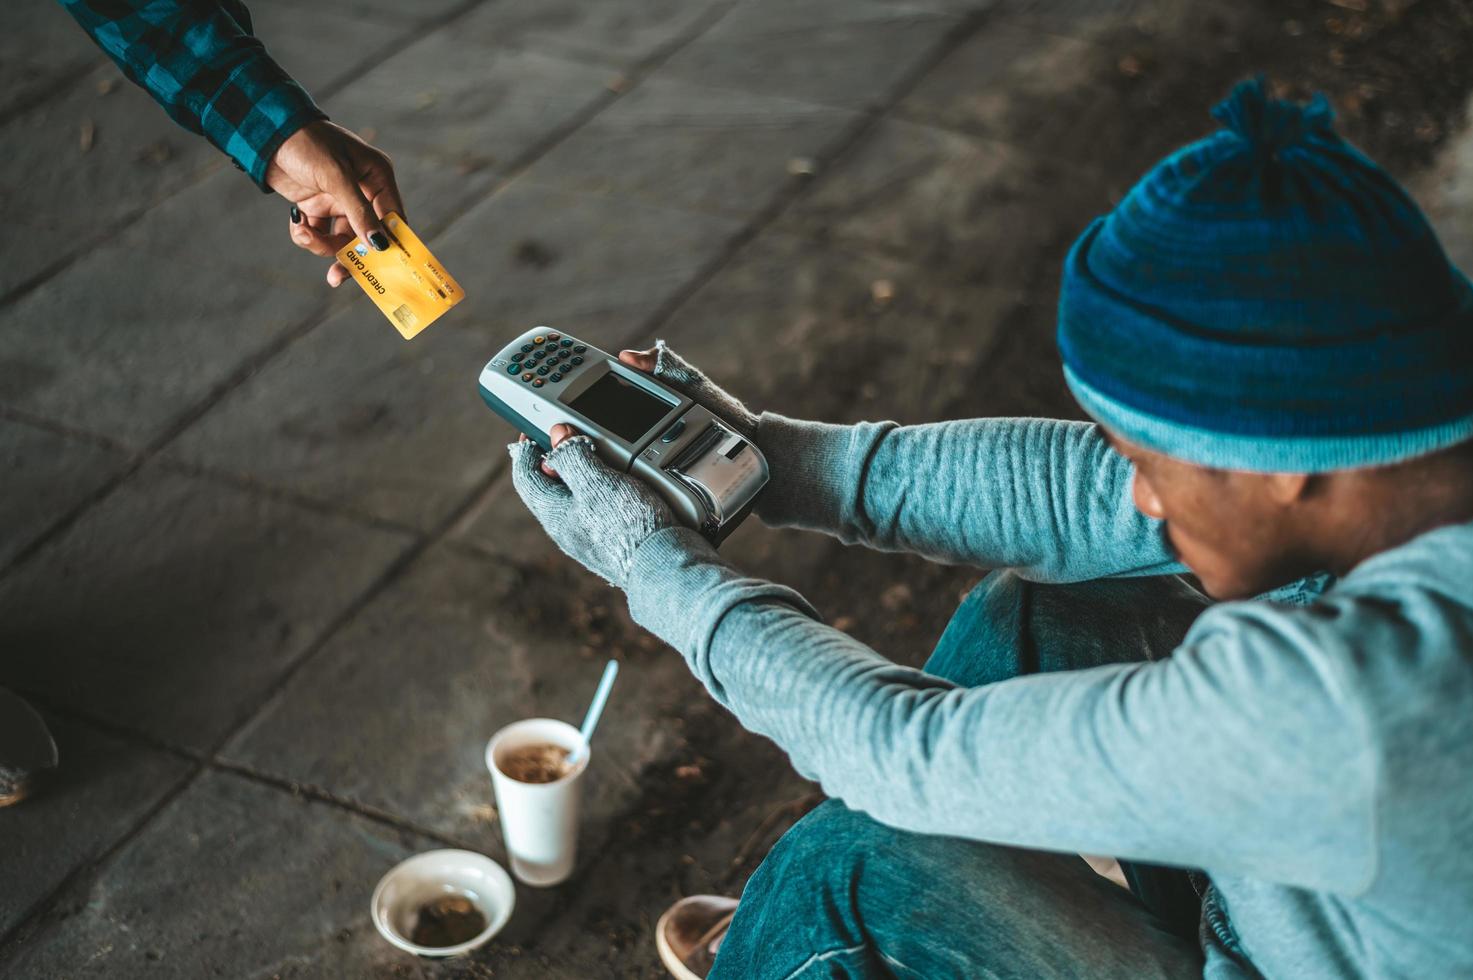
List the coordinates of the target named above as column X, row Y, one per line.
column 125, row 341
column 619, row 32
column 1094, row 97
column 591, row 265
column 80, row 163
column 980, row 210
column 316, row 43
column 693, row 146
column 1445, row 192
column 833, row 333
column 956, row 6
column 232, row 879
column 701, row 829
column 794, row 327
column 173, row 605
column 435, row 193
column 848, row 53
column 455, row 650
column 46, row 475
column 356, row 417
column 1089, row 18
column 462, row 646
column 219, row 229
column 499, row 524
column 103, row 786
column 40, row 49
column 459, row 103
column 976, row 86
column 397, row 11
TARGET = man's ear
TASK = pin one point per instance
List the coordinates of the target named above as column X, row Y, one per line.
column 1288, row 488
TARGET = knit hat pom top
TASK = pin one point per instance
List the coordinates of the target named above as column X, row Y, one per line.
column 1268, row 298
column 1267, row 125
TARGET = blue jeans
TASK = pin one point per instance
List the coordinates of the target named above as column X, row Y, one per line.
column 842, row 895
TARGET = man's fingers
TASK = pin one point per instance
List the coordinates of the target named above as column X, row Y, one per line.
column 579, row 466
column 522, row 437
column 337, row 275
column 543, row 496
column 557, row 435
column 644, row 360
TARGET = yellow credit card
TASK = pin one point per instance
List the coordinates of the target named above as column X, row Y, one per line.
column 406, row 281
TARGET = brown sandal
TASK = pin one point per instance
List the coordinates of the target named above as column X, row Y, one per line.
column 689, row 934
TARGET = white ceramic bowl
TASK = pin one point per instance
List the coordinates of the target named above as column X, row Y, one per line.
column 415, row 881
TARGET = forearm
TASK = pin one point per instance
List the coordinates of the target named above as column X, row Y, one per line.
column 1045, row 497
column 1177, row 762
column 198, row 60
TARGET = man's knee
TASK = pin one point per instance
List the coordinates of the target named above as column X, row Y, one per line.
column 829, row 842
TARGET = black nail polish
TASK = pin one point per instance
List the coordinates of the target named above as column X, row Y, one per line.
column 378, row 241
column 296, row 215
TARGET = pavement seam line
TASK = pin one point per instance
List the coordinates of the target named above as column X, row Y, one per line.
column 847, row 143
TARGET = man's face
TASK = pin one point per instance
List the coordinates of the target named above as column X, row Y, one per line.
column 1235, row 530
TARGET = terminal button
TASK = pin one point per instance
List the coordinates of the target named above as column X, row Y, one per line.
column 537, row 383
column 528, row 376
column 673, row 433
column 526, row 348
column 543, row 369
column 577, row 360
column 555, row 377
column 566, row 342
column 538, row 339
column 580, row 348
column 554, row 336
column 513, row 368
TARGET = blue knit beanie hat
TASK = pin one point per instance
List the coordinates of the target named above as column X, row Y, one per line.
column 1270, row 299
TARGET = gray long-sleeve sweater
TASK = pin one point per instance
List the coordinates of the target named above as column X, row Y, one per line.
column 1314, row 757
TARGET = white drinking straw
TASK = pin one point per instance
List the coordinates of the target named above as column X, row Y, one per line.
column 590, row 720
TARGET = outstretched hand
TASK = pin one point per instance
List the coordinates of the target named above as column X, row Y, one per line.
column 339, row 187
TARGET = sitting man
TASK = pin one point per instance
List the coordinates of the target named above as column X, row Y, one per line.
column 1279, row 358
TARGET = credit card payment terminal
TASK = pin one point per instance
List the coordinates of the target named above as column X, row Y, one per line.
column 705, row 470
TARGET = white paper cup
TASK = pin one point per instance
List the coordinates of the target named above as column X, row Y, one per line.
column 539, row 821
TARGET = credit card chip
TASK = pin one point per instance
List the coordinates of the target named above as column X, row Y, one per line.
column 405, row 316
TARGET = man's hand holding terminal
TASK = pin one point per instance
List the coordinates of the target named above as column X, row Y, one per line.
column 595, row 514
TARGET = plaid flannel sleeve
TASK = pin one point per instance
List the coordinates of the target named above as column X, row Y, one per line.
column 198, row 59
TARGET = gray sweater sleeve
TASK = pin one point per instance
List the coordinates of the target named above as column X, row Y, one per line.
column 1240, row 754
column 1048, row 498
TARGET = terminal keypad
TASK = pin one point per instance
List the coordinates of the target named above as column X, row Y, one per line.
column 549, row 357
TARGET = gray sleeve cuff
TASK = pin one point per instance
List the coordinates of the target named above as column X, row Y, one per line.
column 818, row 469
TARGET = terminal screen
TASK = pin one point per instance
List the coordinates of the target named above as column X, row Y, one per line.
column 620, row 406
